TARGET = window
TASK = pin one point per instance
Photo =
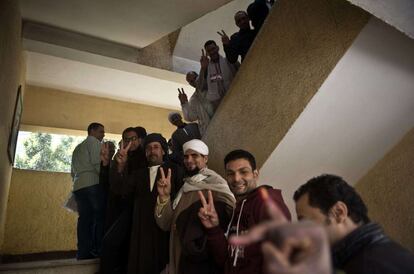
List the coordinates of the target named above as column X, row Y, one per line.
column 44, row 151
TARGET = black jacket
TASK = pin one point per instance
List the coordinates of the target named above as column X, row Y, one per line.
column 367, row 250
column 240, row 43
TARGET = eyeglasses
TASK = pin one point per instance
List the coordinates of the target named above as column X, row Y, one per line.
column 133, row 138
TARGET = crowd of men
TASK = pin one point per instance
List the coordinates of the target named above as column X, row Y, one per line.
column 155, row 207
column 142, row 212
column 217, row 71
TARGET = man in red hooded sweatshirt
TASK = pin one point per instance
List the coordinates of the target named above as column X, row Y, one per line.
column 242, row 177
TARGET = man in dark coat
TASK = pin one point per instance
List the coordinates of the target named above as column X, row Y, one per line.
column 358, row 245
column 148, row 252
column 115, row 244
column 239, row 43
column 184, row 133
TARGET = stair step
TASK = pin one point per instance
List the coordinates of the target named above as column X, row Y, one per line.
column 64, row 266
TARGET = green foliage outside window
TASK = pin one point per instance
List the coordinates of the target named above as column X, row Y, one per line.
column 47, row 152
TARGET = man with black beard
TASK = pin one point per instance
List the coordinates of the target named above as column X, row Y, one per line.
column 188, row 252
column 148, row 252
column 118, row 218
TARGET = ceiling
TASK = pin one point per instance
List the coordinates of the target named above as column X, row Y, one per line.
column 129, row 22
column 120, row 30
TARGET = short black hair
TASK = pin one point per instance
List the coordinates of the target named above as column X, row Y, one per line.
column 240, row 154
column 193, row 72
column 140, row 131
column 326, row 190
column 94, row 126
column 241, row 11
column 209, row 42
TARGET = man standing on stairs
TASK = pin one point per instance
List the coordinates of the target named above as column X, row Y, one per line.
column 242, row 177
column 188, row 252
column 219, row 73
column 198, row 108
column 184, row 133
column 89, row 194
column 240, row 42
column 148, row 251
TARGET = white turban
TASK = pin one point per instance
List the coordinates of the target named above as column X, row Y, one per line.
column 196, row 145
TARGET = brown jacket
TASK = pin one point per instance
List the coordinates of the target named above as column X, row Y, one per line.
column 185, row 215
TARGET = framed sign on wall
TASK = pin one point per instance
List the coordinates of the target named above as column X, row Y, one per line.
column 18, row 109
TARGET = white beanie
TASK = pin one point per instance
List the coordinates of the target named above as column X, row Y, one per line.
column 196, row 145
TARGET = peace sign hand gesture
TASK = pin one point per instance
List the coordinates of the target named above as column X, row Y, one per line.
column 207, row 213
column 224, row 38
column 122, row 156
column 204, row 60
column 164, row 185
column 182, row 96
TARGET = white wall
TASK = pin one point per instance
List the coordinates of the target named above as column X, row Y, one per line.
column 362, row 110
column 397, row 13
column 192, row 37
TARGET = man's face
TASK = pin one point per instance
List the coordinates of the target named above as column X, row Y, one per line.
column 212, row 51
column 242, row 20
column 307, row 212
column 176, row 120
column 154, row 153
column 132, row 137
column 240, row 177
column 194, row 160
column 191, row 78
column 98, row 133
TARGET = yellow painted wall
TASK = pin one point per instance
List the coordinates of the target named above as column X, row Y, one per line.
column 36, row 220
column 388, row 190
column 296, row 49
column 60, row 109
column 12, row 67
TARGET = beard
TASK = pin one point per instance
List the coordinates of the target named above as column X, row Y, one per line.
column 191, row 173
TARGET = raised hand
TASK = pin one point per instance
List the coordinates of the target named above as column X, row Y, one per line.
column 224, row 38
column 207, row 212
column 204, row 60
column 182, row 96
column 121, row 156
column 105, row 154
column 288, row 248
column 164, row 185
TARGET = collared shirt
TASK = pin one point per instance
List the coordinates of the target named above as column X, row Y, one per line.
column 86, row 163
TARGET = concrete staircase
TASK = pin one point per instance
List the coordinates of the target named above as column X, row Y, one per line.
column 64, row 266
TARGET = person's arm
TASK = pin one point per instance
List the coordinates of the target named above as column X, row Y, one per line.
column 216, row 240
column 94, row 148
column 122, row 183
column 163, row 211
column 217, row 244
column 189, row 110
column 164, row 214
column 276, row 196
column 231, row 50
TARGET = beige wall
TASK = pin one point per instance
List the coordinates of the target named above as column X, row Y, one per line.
column 11, row 76
column 59, row 109
column 388, row 190
column 297, row 48
column 36, row 220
